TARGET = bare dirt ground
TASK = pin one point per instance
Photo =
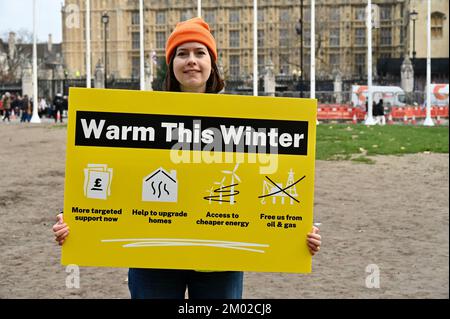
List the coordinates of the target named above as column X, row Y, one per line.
column 393, row 214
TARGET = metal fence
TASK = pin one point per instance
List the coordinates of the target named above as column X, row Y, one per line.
column 13, row 88
column 124, row 84
column 286, row 86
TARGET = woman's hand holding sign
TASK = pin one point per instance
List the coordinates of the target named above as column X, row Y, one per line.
column 60, row 229
column 314, row 240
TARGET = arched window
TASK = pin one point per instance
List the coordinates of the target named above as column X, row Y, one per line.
column 437, row 25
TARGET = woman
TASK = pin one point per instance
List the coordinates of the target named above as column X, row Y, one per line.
column 191, row 56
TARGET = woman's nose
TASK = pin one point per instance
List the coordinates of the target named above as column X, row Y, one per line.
column 191, row 59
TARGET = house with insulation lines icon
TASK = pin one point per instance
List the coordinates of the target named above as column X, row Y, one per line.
column 160, row 186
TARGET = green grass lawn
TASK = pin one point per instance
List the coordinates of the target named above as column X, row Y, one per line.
column 355, row 142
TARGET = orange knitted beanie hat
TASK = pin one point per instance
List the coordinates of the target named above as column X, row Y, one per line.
column 192, row 30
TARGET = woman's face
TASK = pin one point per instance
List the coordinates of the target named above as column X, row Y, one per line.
column 192, row 66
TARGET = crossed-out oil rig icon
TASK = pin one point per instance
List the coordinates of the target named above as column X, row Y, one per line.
column 276, row 190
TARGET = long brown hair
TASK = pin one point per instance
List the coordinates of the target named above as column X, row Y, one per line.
column 214, row 84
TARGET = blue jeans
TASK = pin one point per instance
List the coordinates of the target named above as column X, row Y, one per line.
column 172, row 284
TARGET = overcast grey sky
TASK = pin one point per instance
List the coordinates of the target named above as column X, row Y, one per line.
column 18, row 14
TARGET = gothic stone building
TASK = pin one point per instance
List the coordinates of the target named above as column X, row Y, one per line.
column 341, row 43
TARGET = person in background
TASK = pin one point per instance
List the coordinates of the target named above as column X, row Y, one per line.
column 6, row 101
column 65, row 104
column 30, row 109
column 379, row 113
column 42, row 107
column 58, row 103
column 16, row 104
column 25, row 108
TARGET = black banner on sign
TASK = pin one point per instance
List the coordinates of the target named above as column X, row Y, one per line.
column 155, row 131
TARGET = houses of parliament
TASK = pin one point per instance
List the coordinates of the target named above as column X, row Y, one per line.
column 283, row 33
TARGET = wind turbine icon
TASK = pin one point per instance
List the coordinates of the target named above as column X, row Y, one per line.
column 220, row 188
column 211, row 193
column 233, row 176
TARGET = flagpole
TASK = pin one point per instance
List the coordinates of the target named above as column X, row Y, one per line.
column 152, row 53
column 35, row 117
column 369, row 120
column 88, row 43
column 313, row 51
column 255, row 47
column 428, row 121
column 141, row 41
column 199, row 8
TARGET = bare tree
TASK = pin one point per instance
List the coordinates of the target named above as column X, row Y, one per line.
column 320, row 30
column 11, row 61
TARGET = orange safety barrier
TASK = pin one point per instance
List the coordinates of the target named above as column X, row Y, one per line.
column 409, row 112
column 360, row 114
column 418, row 112
column 442, row 111
column 433, row 112
column 422, row 113
column 390, row 120
column 334, row 112
column 346, row 113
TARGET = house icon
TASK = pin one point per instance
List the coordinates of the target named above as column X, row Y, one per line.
column 160, row 186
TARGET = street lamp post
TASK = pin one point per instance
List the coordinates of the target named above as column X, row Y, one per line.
column 105, row 21
column 66, row 73
column 299, row 30
column 413, row 16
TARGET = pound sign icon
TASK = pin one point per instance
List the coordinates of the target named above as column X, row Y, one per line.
column 97, row 185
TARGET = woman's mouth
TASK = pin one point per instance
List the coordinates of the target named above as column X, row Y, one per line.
column 191, row 71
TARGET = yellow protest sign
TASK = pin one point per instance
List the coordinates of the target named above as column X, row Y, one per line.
column 189, row 181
